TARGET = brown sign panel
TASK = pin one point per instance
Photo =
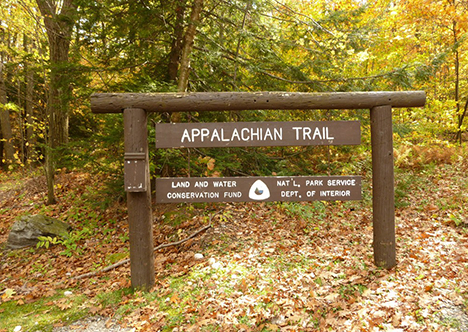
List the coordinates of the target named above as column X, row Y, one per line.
column 231, row 134
column 258, row 189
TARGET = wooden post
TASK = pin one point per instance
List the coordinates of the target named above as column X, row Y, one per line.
column 383, row 186
column 138, row 198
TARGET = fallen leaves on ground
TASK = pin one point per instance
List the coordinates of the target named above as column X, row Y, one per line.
column 266, row 267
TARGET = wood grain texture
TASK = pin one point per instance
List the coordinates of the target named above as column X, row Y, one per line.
column 224, row 101
column 383, row 187
column 139, row 205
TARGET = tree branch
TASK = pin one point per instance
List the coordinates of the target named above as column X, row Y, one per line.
column 328, row 80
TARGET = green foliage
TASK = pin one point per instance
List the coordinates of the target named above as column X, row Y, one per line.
column 351, row 290
column 404, row 183
column 402, row 129
column 314, row 211
column 46, row 241
column 71, row 244
column 240, row 46
column 458, row 218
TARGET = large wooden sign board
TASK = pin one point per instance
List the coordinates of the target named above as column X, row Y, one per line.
column 135, row 108
column 232, row 134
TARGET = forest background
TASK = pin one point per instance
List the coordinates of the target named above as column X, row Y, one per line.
column 55, row 54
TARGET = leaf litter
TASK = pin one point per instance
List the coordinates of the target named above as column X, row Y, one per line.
column 265, row 266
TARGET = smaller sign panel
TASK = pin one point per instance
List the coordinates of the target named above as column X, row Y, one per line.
column 259, row 189
column 231, row 134
column 135, row 172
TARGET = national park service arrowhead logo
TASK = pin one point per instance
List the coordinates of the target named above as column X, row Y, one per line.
column 259, row 191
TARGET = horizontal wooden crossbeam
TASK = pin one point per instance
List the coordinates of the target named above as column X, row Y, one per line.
column 226, row 101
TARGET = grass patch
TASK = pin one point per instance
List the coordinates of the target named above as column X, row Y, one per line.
column 41, row 315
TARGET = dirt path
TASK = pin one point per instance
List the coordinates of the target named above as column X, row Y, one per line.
column 94, row 324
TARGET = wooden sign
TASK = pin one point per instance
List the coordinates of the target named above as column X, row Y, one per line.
column 258, row 189
column 231, row 134
column 136, row 106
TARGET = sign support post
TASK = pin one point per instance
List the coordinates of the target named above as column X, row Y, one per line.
column 383, row 197
column 137, row 185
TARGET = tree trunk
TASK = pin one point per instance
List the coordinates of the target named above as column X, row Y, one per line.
column 460, row 122
column 239, row 41
column 189, row 38
column 177, row 42
column 28, row 107
column 59, row 24
column 5, row 123
column 457, row 83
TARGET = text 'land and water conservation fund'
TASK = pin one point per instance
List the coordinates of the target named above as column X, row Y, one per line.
column 250, row 189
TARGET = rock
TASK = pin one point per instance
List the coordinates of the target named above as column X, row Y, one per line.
column 198, row 256
column 27, row 229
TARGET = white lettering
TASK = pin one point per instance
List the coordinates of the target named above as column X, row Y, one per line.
column 290, row 193
column 224, row 184
column 335, row 193
column 195, row 133
column 185, row 135
column 201, row 184
column 180, row 184
column 238, row 134
column 310, row 193
column 314, row 183
column 278, row 134
column 192, row 195
column 246, row 137
column 232, row 194
column 282, row 183
column 257, row 133
column 328, row 137
column 297, row 132
column 215, row 135
column 222, row 135
column 341, row 182
column 235, row 134
column 205, row 133
column 317, row 133
column 306, row 133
